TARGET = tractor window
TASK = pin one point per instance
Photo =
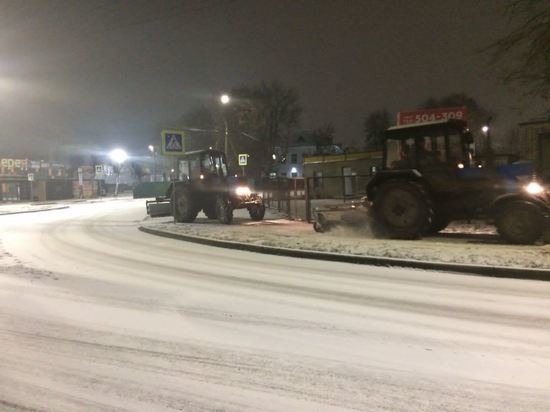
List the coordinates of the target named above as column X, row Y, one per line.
column 221, row 167
column 194, row 168
column 456, row 150
column 431, row 150
column 207, row 165
column 184, row 169
column 400, row 154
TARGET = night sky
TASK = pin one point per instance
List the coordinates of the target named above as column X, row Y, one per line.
column 104, row 73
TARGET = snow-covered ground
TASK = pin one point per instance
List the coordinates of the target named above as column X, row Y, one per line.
column 455, row 245
column 95, row 315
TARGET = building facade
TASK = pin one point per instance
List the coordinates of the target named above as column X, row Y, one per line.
column 534, row 144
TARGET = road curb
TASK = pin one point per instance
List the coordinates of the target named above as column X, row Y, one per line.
column 492, row 271
column 34, row 211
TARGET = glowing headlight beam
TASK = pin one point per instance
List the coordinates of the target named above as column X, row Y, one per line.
column 243, row 191
column 534, row 188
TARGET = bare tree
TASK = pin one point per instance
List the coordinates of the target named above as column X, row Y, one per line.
column 263, row 116
column 525, row 51
column 375, row 124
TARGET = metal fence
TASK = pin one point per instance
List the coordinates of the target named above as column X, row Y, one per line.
column 298, row 197
column 331, row 190
column 286, row 195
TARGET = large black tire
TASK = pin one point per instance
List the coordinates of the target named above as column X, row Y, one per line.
column 210, row 210
column 520, row 222
column 224, row 210
column 402, row 209
column 256, row 212
column 185, row 209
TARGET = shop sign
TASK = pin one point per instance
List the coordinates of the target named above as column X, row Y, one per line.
column 432, row 115
column 13, row 167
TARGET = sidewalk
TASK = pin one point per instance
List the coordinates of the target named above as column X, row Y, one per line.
column 31, row 207
column 455, row 246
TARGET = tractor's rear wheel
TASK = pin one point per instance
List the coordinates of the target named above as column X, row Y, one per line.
column 185, row 209
column 256, row 212
column 224, row 210
column 402, row 209
column 520, row 222
column 210, row 210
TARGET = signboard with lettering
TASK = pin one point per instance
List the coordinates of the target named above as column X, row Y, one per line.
column 172, row 142
column 431, row 115
column 14, row 167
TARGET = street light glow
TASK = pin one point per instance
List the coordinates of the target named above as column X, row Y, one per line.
column 151, row 148
column 485, row 129
column 225, row 99
column 118, row 156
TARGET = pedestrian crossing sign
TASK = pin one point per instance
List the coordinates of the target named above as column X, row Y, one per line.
column 243, row 159
column 172, row 142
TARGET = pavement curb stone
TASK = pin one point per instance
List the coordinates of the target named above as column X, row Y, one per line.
column 491, row 271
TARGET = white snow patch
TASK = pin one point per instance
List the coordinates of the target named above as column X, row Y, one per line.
column 461, row 243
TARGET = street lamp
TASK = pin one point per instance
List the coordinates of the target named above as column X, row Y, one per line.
column 118, row 156
column 154, row 175
column 486, row 129
column 225, row 99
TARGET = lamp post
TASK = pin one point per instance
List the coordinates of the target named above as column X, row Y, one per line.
column 486, row 129
column 154, row 175
column 225, row 99
column 118, row 156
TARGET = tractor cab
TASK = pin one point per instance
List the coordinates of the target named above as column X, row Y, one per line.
column 428, row 145
column 202, row 165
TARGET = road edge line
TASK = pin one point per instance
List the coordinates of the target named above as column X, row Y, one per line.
column 34, row 211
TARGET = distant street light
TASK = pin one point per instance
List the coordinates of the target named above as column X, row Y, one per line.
column 118, row 156
column 225, row 99
column 154, row 175
column 489, row 154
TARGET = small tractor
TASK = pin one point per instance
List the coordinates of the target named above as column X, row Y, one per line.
column 429, row 178
column 203, row 184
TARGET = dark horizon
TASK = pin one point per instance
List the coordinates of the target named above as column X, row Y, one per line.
column 104, row 74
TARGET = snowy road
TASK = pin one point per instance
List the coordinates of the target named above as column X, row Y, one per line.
column 95, row 315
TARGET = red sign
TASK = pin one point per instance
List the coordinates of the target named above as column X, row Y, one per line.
column 431, row 115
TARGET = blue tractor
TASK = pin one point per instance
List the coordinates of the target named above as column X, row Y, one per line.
column 430, row 178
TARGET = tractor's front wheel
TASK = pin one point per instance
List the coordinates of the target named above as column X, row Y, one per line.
column 224, row 210
column 402, row 209
column 256, row 212
column 185, row 209
column 520, row 222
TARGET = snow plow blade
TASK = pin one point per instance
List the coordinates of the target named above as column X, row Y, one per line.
column 347, row 214
column 160, row 207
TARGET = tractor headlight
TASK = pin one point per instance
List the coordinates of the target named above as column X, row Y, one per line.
column 243, row 191
column 534, row 188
